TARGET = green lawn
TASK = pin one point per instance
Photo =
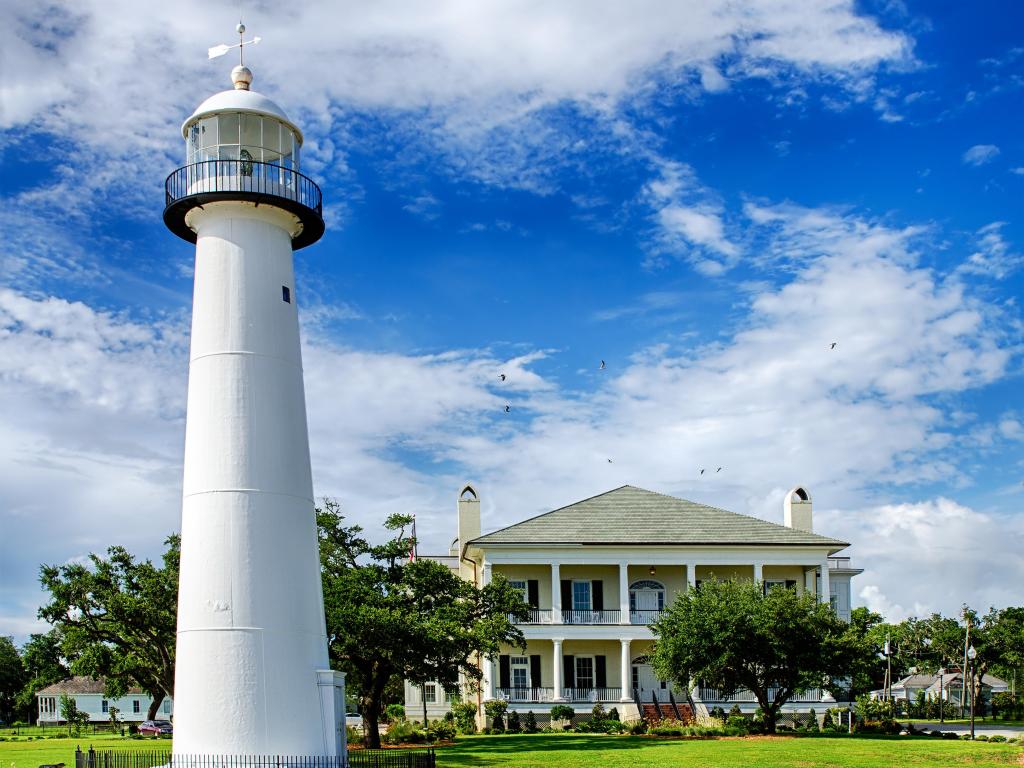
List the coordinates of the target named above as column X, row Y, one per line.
column 579, row 751
column 588, row 751
column 21, row 753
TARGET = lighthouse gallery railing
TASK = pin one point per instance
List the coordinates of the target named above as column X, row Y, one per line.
column 248, row 176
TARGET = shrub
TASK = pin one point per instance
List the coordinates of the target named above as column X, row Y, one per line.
column 464, row 713
column 812, row 723
column 981, row 737
column 827, row 724
column 404, row 732
column 495, row 709
column 949, row 735
column 718, row 713
column 998, row 737
column 441, row 730
column 888, row 727
column 393, row 713
column 562, row 712
column 613, row 713
column 353, row 736
column 513, row 722
column 735, row 710
column 936, row 733
column 739, row 722
column 638, row 727
column 530, row 722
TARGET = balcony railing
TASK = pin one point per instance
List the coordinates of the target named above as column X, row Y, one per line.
column 590, row 617
column 839, row 562
column 198, row 184
column 709, row 695
column 525, row 694
column 591, row 694
column 644, row 617
column 538, row 616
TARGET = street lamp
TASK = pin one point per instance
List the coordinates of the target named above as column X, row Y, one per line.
column 972, row 654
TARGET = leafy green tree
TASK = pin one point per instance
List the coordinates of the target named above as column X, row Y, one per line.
column 12, row 679
column 44, row 665
column 730, row 635
column 72, row 715
column 862, row 653
column 117, row 617
column 389, row 616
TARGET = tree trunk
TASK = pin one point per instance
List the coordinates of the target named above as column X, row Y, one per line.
column 372, row 721
column 154, row 707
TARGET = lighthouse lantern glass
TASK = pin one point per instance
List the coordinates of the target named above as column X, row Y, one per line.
column 224, row 136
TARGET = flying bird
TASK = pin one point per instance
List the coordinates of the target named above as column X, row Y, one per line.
column 501, row 376
column 702, row 471
column 507, row 408
column 609, row 461
column 833, row 345
column 602, row 365
column 718, row 470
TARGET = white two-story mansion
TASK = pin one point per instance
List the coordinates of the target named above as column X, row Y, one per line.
column 596, row 573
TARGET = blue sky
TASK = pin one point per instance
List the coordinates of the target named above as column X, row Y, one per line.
column 706, row 196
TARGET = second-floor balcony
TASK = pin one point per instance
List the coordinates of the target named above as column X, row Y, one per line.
column 591, row 617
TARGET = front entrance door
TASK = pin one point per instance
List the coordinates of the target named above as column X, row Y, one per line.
column 647, row 683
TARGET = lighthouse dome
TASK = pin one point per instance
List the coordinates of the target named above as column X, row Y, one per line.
column 239, row 101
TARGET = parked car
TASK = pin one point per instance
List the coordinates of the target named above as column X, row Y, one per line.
column 156, row 728
column 353, row 720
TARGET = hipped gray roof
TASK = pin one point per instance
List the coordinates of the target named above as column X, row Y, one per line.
column 630, row 515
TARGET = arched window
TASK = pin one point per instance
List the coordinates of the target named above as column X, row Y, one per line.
column 646, row 598
column 467, row 494
column 799, row 494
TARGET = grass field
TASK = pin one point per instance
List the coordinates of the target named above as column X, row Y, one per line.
column 579, row 751
column 590, row 751
column 31, row 754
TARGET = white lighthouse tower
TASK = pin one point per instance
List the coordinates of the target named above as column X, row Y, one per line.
column 252, row 668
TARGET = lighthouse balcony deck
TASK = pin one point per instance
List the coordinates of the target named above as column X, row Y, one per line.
column 199, row 184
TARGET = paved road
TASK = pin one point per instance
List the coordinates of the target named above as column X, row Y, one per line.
column 989, row 729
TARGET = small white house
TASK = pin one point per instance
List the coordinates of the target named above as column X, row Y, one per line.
column 88, row 696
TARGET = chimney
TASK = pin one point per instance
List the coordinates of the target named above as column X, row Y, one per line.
column 469, row 515
column 796, row 510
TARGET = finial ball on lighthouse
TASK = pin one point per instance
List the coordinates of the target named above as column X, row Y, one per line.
column 241, row 78
column 240, row 29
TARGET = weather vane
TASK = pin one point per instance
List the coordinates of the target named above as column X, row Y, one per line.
column 220, row 50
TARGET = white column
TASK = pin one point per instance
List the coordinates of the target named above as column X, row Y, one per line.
column 691, row 576
column 810, row 583
column 558, row 669
column 826, row 591
column 758, row 572
column 488, row 671
column 486, row 574
column 556, row 595
column 624, row 593
column 626, row 678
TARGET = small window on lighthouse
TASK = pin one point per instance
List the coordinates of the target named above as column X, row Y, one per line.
column 286, row 293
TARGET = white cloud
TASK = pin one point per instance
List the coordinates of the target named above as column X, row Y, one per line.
column 993, row 257
column 487, row 87
column 980, row 154
column 920, row 557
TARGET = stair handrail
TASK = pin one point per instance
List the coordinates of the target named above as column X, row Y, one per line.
column 672, row 700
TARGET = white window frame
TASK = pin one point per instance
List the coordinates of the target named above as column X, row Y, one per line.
column 590, row 595
column 430, row 693
column 516, row 663
column 593, row 671
column 166, row 707
column 104, row 706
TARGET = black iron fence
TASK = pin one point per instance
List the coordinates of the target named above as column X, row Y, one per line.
column 248, row 176
column 360, row 758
